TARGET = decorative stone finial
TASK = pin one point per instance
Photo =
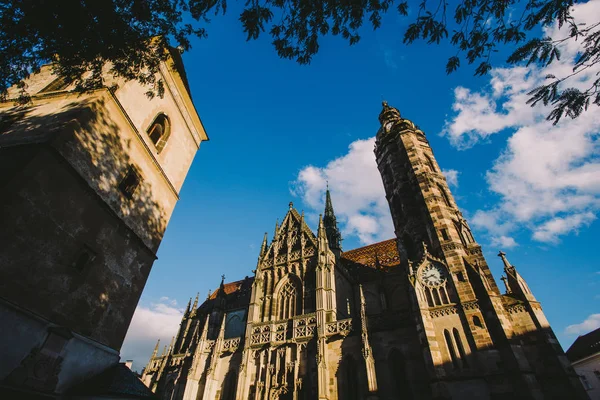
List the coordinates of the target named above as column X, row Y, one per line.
column 388, row 114
column 291, row 205
column 507, row 265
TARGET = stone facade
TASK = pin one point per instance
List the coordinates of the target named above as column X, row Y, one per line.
column 88, row 183
column 418, row 316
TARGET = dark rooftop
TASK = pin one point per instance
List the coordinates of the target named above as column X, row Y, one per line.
column 584, row 346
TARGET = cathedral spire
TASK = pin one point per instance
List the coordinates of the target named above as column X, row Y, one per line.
column 263, row 247
column 155, row 352
column 195, row 306
column 276, row 229
column 514, row 282
column 366, row 346
column 333, row 234
column 187, row 310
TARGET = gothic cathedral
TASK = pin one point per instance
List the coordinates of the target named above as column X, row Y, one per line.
column 418, row 316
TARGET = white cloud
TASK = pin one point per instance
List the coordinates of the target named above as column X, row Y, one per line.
column 548, row 176
column 592, row 322
column 503, row 242
column 158, row 321
column 167, row 300
column 451, row 176
column 356, row 191
column 492, row 222
column 550, row 230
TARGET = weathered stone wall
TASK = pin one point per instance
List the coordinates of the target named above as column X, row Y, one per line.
column 46, row 199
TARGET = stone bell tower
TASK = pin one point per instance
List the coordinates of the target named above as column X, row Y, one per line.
column 472, row 342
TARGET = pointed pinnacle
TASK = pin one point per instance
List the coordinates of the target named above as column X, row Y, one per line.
column 502, row 255
column 195, row 306
column 263, row 246
column 187, row 310
column 155, row 352
column 276, row 229
column 328, row 204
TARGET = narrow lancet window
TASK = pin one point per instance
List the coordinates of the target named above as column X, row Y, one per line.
column 159, row 131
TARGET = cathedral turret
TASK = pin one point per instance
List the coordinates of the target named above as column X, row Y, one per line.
column 188, row 308
column 155, row 352
column 514, row 282
column 195, row 306
column 263, row 247
column 329, row 221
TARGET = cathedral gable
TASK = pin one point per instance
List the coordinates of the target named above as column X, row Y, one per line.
column 293, row 240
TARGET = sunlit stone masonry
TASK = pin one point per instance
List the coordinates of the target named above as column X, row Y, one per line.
column 418, row 316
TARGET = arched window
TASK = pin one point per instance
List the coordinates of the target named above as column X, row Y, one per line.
column 288, row 300
column 429, row 298
column 477, row 321
column 430, row 163
column 450, row 347
column 445, row 196
column 159, row 131
column 444, row 296
column 461, row 349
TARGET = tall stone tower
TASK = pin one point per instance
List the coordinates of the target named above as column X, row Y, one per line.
column 89, row 182
column 474, row 339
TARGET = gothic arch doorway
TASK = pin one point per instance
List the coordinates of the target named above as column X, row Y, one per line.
column 400, row 382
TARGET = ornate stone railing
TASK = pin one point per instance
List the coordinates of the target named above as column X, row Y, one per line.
column 261, row 334
column 342, row 327
column 304, row 326
column 231, row 345
column 470, row 305
column 280, row 331
column 443, row 311
column 516, row 308
column 209, row 345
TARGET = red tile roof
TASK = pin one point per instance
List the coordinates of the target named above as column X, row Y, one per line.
column 386, row 253
column 230, row 287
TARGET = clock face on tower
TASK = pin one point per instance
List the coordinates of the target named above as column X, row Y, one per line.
column 432, row 275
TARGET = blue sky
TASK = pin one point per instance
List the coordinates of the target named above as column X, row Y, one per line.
column 278, row 130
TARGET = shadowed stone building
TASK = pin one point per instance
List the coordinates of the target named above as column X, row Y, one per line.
column 88, row 183
column 415, row 317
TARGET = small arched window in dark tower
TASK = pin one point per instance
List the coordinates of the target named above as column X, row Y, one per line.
column 477, row 321
column 399, row 378
column 450, row 347
column 461, row 349
column 445, row 196
column 159, row 131
column 430, row 163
